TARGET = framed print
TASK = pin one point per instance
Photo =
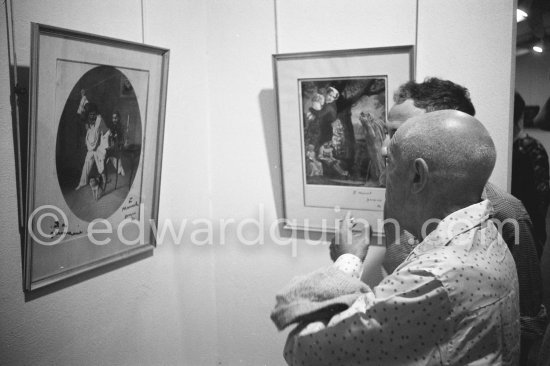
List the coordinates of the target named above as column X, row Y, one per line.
column 332, row 109
column 97, row 108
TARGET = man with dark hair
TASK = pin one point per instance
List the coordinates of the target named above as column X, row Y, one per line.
column 116, row 143
column 435, row 94
column 453, row 300
column 432, row 95
column 413, row 99
column 530, row 176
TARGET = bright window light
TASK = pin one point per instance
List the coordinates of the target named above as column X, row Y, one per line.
column 520, row 15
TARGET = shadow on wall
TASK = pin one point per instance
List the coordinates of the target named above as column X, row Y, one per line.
column 19, row 99
column 268, row 107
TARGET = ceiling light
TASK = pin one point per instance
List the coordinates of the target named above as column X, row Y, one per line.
column 520, row 15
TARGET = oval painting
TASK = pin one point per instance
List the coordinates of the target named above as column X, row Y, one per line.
column 98, row 143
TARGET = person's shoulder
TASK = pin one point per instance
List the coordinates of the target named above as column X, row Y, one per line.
column 102, row 122
column 530, row 143
column 538, row 145
column 493, row 191
column 528, row 139
column 504, row 204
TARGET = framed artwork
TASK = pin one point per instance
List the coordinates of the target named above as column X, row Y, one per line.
column 96, row 126
column 332, row 109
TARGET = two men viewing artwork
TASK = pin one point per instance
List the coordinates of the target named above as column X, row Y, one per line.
column 458, row 287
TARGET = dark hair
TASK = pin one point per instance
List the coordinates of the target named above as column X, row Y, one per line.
column 519, row 107
column 435, row 94
column 91, row 107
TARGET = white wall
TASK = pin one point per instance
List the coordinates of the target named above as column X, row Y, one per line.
column 332, row 25
column 209, row 305
column 470, row 43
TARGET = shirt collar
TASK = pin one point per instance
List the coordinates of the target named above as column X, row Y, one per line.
column 484, row 193
column 455, row 224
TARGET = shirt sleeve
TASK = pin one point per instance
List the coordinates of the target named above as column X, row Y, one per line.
column 81, row 105
column 542, row 182
column 102, row 126
column 539, row 159
column 349, row 264
column 529, row 277
column 517, row 231
column 402, row 321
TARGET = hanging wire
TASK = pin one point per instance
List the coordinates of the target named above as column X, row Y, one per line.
column 142, row 23
column 416, row 40
column 15, row 90
column 276, row 26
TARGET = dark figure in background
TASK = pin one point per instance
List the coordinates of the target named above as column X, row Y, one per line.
column 530, row 176
column 117, row 131
column 116, row 143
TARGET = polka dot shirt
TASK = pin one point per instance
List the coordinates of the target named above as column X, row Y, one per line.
column 453, row 301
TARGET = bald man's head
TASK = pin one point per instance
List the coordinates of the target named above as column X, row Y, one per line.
column 453, row 144
column 441, row 158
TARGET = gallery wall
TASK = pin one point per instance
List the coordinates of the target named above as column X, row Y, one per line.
column 209, row 303
column 470, row 43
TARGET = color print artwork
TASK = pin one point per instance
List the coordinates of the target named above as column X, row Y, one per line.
column 344, row 130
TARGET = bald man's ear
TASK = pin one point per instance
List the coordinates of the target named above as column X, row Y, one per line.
column 421, row 173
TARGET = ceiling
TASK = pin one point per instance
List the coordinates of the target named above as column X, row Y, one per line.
column 536, row 27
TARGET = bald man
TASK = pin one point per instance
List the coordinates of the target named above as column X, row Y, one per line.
column 453, row 301
column 414, row 99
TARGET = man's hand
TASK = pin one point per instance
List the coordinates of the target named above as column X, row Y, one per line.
column 351, row 237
